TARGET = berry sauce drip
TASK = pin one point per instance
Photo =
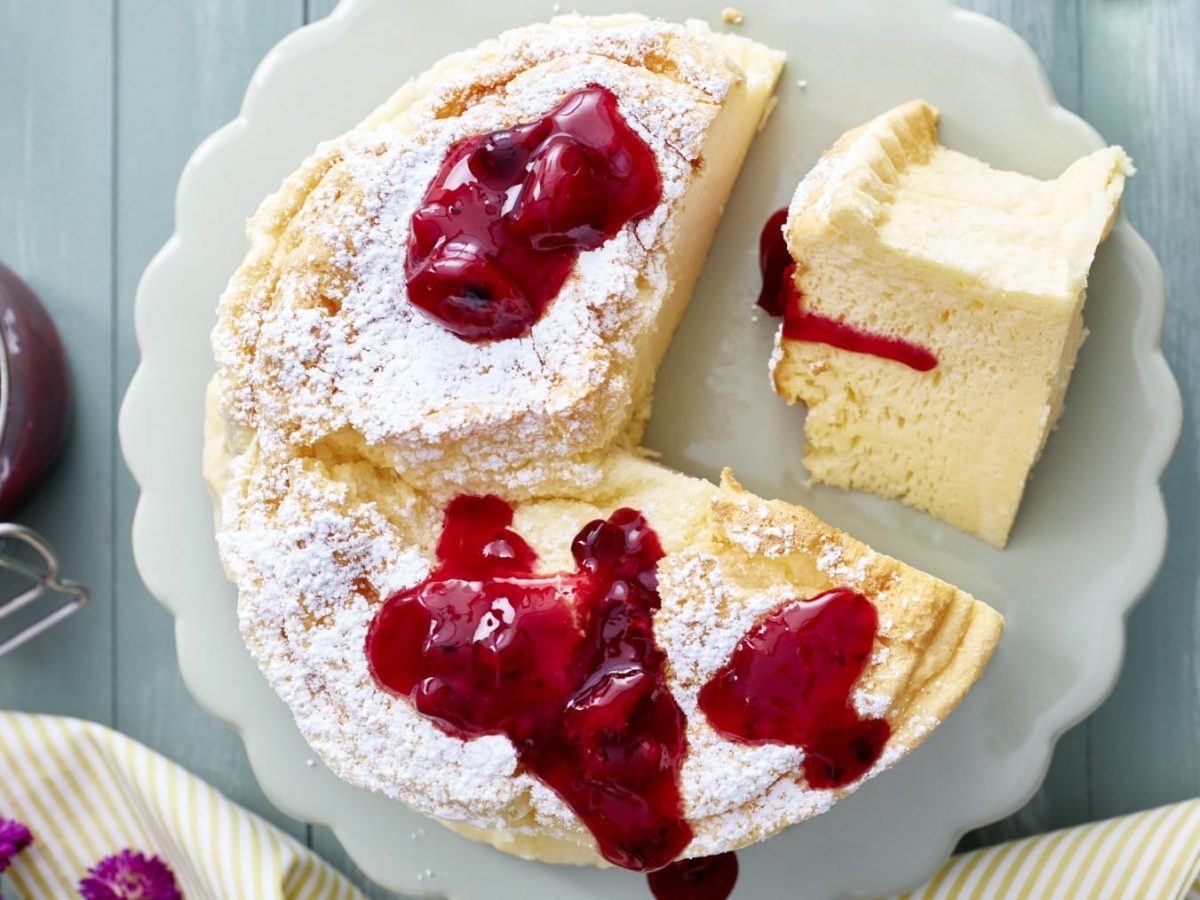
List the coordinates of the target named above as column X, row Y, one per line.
column 780, row 297
column 565, row 665
column 33, row 426
column 774, row 261
column 509, row 212
column 705, row 878
column 789, row 679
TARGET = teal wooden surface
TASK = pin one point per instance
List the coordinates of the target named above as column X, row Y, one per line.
column 101, row 102
column 56, row 203
column 181, row 70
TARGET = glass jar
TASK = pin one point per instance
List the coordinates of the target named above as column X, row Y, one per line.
column 34, row 394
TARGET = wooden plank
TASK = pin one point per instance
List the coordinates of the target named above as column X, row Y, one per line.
column 1141, row 88
column 1052, row 30
column 182, row 70
column 56, row 68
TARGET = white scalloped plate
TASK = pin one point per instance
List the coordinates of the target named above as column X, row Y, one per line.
column 1088, row 540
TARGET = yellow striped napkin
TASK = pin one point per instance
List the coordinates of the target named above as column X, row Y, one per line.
column 87, row 792
column 1152, row 855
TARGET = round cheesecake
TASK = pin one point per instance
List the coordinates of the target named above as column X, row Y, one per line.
column 475, row 592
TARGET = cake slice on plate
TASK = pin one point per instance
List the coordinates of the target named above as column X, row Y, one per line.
column 933, row 314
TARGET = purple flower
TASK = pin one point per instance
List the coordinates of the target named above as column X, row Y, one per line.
column 129, row 876
column 14, row 837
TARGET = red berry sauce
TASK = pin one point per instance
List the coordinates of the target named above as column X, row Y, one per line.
column 33, row 425
column 774, row 260
column 564, row 664
column 789, row 680
column 780, row 297
column 509, row 212
column 705, row 878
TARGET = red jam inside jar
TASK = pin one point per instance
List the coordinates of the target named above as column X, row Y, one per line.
column 564, row 664
column 34, row 394
column 509, row 212
column 789, row 681
column 779, row 296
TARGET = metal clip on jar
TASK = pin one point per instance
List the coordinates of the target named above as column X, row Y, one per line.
column 34, row 403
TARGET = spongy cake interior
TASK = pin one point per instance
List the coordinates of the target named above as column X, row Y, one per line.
column 897, row 235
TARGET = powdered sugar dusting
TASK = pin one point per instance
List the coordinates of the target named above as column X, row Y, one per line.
column 311, row 571
column 786, row 801
column 830, row 558
column 771, row 541
column 833, row 563
column 871, row 705
column 703, row 616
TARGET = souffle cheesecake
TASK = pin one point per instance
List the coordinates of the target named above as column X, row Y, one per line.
column 932, row 312
column 453, row 562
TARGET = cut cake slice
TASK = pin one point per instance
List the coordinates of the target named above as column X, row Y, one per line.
column 971, row 280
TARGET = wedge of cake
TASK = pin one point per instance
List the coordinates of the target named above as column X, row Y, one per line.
column 481, row 386
column 453, row 562
column 932, row 314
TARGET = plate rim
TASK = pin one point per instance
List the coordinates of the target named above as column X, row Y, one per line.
column 145, row 392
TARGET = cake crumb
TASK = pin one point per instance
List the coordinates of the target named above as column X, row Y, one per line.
column 802, row 83
column 731, row 15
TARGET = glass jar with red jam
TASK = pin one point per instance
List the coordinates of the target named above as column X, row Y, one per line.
column 34, row 394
